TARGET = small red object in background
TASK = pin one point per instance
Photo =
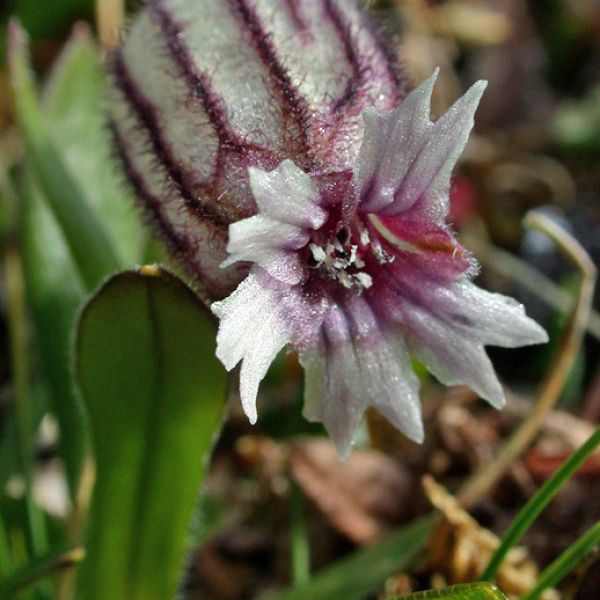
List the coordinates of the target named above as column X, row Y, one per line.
column 463, row 200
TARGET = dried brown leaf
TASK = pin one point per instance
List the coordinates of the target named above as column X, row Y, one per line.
column 460, row 549
column 361, row 497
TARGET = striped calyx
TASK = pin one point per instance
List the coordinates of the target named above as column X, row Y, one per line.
column 205, row 90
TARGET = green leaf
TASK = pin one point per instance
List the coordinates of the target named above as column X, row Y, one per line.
column 527, row 515
column 155, row 393
column 565, row 563
column 361, row 573
column 466, row 591
column 86, row 236
column 74, row 104
column 36, row 571
column 54, row 293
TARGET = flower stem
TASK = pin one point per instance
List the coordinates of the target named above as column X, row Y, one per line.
column 558, row 372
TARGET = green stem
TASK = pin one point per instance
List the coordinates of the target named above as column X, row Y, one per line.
column 537, row 503
column 565, row 563
column 299, row 539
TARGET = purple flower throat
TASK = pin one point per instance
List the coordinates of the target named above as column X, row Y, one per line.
column 308, row 195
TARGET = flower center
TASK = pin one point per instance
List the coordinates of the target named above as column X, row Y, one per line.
column 344, row 257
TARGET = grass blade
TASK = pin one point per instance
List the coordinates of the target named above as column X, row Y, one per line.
column 358, row 575
column 90, row 246
column 565, row 563
column 537, row 503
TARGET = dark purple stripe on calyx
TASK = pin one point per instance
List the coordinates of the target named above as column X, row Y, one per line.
column 146, row 115
column 294, row 104
column 198, row 83
column 149, row 201
column 343, row 27
column 297, row 18
column 153, row 207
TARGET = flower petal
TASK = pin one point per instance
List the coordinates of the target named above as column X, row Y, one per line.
column 288, row 195
column 452, row 358
column 356, row 365
column 270, row 244
column 482, row 316
column 288, row 204
column 447, row 325
column 253, row 329
column 381, row 166
column 390, row 182
column 385, row 369
column 333, row 391
column 497, row 319
column 431, row 170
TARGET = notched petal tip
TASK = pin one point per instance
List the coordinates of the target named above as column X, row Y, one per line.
column 387, row 182
column 469, row 101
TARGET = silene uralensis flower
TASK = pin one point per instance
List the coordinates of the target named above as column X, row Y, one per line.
column 273, row 143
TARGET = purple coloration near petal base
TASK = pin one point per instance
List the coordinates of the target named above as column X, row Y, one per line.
column 384, row 269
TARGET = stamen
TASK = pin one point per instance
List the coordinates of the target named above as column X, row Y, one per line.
column 317, row 254
column 339, row 261
column 390, row 237
column 365, row 280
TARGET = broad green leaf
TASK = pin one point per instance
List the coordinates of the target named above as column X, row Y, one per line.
column 155, row 393
column 361, row 573
column 466, row 591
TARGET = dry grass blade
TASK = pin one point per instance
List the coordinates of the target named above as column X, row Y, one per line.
column 528, row 277
column 460, row 548
column 559, row 370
